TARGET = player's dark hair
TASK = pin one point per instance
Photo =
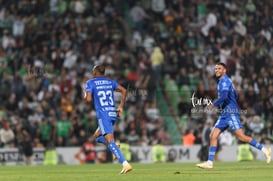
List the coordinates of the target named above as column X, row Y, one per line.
column 100, row 68
column 223, row 64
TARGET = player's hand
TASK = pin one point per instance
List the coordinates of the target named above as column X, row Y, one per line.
column 84, row 95
column 119, row 111
column 83, row 92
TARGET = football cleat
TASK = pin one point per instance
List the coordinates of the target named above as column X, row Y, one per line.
column 268, row 155
column 205, row 165
column 126, row 169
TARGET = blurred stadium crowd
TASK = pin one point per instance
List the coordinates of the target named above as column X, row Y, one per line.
column 48, row 48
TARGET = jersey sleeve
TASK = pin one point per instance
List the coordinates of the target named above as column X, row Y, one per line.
column 115, row 84
column 223, row 97
column 88, row 86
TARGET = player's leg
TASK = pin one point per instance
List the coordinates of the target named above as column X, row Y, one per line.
column 214, row 135
column 113, row 147
column 106, row 129
column 99, row 138
column 116, row 151
column 114, row 156
column 236, row 126
column 219, row 126
column 212, row 149
column 247, row 139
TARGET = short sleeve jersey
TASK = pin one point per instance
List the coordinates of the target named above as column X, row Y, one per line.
column 102, row 90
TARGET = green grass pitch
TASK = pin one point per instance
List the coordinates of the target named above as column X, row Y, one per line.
column 223, row 171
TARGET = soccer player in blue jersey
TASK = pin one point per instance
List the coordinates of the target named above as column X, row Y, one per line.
column 229, row 117
column 100, row 90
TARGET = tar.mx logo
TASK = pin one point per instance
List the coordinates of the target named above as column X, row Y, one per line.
column 200, row 101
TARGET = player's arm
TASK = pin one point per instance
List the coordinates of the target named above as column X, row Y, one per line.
column 225, row 87
column 122, row 100
column 222, row 99
column 87, row 95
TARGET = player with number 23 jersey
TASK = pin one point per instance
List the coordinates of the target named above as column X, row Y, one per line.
column 102, row 90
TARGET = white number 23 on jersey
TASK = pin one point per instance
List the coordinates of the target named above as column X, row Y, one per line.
column 106, row 98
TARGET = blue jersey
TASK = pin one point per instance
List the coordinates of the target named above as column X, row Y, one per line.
column 227, row 97
column 102, row 90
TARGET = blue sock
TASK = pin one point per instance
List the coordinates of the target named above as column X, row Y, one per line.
column 257, row 145
column 116, row 151
column 212, row 150
column 100, row 139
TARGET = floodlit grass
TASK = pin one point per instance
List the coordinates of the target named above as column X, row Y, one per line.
column 224, row 171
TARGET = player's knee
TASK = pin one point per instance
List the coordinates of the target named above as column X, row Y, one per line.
column 213, row 137
column 242, row 138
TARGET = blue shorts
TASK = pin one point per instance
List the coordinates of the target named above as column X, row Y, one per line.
column 106, row 125
column 232, row 121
